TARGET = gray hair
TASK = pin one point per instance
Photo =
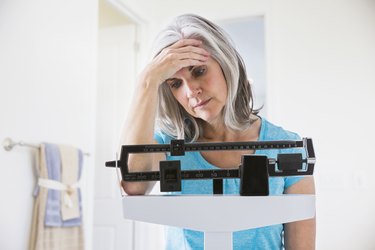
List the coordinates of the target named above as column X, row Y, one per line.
column 171, row 117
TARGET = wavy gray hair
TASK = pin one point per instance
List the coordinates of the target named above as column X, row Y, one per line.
column 171, row 117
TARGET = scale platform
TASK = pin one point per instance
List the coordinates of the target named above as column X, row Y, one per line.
column 218, row 216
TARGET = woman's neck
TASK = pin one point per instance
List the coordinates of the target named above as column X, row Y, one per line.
column 219, row 132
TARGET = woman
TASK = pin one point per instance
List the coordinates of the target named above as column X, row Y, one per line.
column 196, row 88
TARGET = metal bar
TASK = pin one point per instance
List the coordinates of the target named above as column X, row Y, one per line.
column 9, row 144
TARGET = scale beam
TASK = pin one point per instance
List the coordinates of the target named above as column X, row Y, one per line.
column 253, row 167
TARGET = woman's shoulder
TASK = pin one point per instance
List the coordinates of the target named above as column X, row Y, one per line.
column 270, row 131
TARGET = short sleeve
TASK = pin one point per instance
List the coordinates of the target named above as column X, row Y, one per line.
column 162, row 138
column 158, row 136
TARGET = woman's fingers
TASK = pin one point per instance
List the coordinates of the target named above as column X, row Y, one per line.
column 175, row 57
column 188, row 49
column 175, row 53
column 183, row 53
column 189, row 62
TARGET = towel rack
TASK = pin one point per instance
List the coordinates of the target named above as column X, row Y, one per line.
column 9, row 144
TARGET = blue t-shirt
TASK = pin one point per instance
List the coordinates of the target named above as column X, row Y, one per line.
column 270, row 237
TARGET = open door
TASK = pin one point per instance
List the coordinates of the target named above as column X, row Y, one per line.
column 116, row 79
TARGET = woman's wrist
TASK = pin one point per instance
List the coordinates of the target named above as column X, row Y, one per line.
column 148, row 79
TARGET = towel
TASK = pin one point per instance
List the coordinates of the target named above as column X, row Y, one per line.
column 64, row 164
column 69, row 202
column 42, row 236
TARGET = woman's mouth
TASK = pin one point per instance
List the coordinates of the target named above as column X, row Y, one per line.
column 202, row 103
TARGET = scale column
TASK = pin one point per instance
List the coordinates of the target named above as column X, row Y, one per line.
column 218, row 240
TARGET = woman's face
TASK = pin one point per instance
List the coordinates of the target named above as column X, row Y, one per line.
column 201, row 90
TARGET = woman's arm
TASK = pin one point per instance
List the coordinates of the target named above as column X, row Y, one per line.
column 139, row 125
column 300, row 235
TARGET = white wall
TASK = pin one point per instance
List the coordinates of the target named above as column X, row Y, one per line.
column 322, row 75
column 47, row 93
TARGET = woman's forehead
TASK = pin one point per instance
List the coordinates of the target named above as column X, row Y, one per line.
column 187, row 70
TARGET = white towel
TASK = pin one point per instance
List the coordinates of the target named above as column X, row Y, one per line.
column 69, row 176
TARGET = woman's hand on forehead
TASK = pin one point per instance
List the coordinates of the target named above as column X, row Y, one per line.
column 183, row 53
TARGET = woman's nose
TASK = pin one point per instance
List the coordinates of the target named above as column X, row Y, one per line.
column 193, row 88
